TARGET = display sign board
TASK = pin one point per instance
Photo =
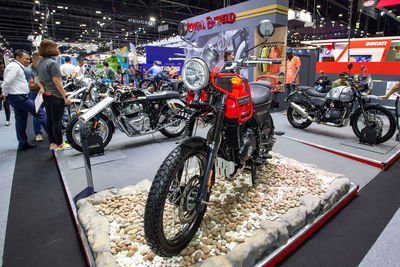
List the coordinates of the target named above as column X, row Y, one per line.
column 163, row 28
column 383, row 3
column 142, row 22
column 370, row 50
column 367, row 7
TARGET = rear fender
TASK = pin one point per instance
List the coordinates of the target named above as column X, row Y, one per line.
column 295, row 96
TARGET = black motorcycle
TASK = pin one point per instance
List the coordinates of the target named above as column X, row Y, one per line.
column 159, row 82
column 334, row 108
column 134, row 113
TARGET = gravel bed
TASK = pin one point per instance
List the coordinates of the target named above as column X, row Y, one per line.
column 237, row 213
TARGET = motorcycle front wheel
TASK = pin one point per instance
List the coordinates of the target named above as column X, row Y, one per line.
column 295, row 118
column 172, row 216
column 176, row 126
column 382, row 121
column 104, row 129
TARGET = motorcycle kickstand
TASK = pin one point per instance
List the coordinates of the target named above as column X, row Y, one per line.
column 253, row 174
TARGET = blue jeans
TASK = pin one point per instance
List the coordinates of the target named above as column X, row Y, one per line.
column 22, row 105
column 37, row 128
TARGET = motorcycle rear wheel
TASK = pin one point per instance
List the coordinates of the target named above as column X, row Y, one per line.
column 296, row 119
column 384, row 122
column 177, row 128
column 171, row 217
column 73, row 134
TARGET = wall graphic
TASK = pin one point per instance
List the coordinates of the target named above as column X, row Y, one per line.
column 235, row 40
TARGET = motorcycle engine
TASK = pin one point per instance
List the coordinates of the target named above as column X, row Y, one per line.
column 333, row 113
column 248, row 145
column 140, row 123
column 136, row 120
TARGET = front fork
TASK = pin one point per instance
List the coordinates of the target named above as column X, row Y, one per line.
column 213, row 146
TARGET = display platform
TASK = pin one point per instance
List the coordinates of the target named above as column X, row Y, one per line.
column 340, row 141
column 287, row 209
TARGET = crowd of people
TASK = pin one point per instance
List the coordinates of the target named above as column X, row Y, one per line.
column 23, row 80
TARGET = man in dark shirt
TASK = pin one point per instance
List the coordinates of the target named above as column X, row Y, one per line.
column 321, row 82
column 31, row 72
column 109, row 72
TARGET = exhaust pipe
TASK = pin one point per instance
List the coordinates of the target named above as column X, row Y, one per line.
column 304, row 114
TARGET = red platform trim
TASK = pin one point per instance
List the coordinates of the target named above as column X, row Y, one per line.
column 312, row 229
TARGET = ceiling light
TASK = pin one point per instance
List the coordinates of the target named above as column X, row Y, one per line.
column 152, row 19
column 37, row 12
column 144, row 31
column 340, row 15
column 57, row 22
column 83, row 25
column 37, row 2
column 98, row 12
column 109, row 18
column 318, row 6
column 66, row 7
column 36, row 20
column 60, row 7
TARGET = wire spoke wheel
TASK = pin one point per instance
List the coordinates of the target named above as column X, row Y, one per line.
column 172, row 213
column 380, row 119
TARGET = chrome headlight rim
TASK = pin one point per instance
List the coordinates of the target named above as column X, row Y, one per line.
column 203, row 67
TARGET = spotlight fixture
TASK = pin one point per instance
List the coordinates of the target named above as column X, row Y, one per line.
column 98, row 12
column 57, row 22
column 340, row 15
column 152, row 19
column 318, row 6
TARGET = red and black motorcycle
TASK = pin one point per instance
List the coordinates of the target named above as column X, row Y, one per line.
column 242, row 134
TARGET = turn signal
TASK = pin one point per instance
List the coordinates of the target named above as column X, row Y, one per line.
column 236, row 80
column 180, row 77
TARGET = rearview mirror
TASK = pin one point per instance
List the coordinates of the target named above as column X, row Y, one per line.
column 265, row 28
column 350, row 66
column 182, row 28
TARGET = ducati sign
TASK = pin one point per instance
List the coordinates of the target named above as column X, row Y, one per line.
column 369, row 3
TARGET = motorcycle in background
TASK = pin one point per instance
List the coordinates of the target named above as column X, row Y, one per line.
column 335, row 109
column 134, row 113
column 242, row 134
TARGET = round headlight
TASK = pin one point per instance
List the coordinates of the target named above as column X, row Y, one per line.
column 195, row 74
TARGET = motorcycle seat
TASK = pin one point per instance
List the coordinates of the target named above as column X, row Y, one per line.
column 260, row 92
column 163, row 95
column 313, row 92
column 304, row 88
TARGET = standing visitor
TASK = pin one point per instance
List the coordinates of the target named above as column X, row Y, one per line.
column 109, row 72
column 154, row 70
column 16, row 89
column 31, row 72
column 131, row 74
column 81, row 69
column 2, row 97
column 49, row 80
column 292, row 70
column 67, row 69
column 138, row 75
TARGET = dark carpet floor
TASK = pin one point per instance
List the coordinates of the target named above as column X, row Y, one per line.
column 40, row 228
column 347, row 237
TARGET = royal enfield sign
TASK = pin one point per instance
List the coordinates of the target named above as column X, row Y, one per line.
column 211, row 22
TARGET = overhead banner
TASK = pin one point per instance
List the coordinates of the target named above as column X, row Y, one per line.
column 383, row 3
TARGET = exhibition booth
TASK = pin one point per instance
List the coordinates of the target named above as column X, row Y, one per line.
column 251, row 234
column 253, row 169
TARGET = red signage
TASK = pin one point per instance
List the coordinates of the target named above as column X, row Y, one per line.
column 369, row 3
column 211, row 22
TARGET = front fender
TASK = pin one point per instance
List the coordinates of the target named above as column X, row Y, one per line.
column 195, row 142
column 358, row 110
